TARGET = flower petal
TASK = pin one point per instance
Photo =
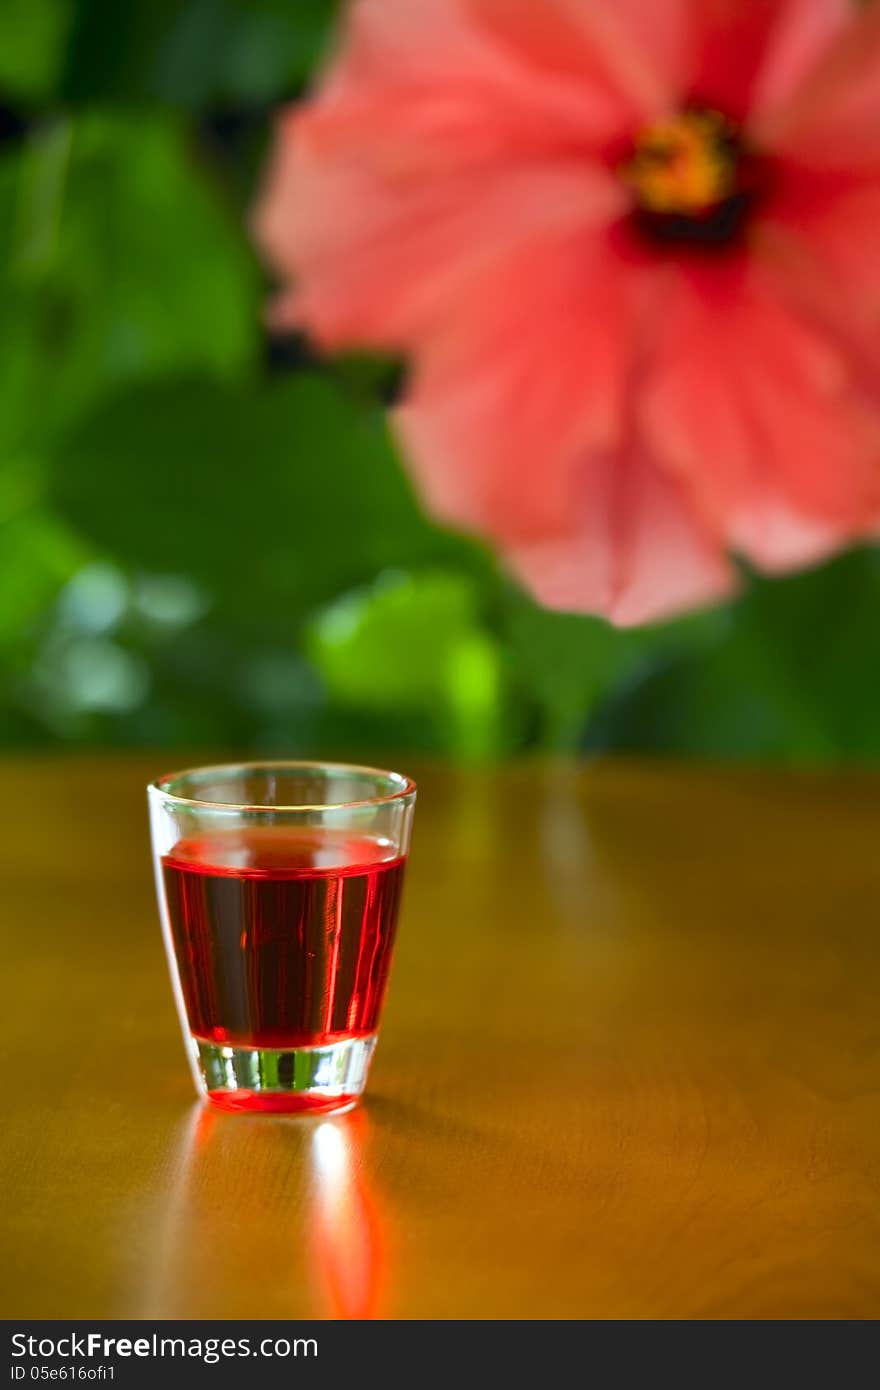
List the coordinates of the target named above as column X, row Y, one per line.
column 800, row 36
column 632, row 51
column 729, row 40
column 378, row 261
column 409, row 75
column 525, row 377
column 820, row 233
column 833, row 120
column 634, row 552
column 757, row 414
column 427, row 154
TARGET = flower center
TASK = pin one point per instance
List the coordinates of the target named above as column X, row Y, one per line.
column 690, row 178
column 686, row 164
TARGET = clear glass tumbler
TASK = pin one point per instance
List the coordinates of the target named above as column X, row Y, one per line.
column 279, row 887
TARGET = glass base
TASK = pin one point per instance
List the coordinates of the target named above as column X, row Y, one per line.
column 284, row 1081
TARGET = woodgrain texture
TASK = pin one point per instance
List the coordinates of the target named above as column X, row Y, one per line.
column 630, row 1065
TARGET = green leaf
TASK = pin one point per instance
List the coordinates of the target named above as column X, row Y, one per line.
column 568, row 666
column 275, row 498
column 32, row 39
column 790, row 675
column 565, row 663
column 417, row 642
column 38, row 555
column 194, row 53
column 120, row 264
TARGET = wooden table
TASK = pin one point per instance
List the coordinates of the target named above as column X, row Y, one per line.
column 630, row 1065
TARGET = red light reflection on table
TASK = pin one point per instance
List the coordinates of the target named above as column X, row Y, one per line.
column 329, row 1222
column 347, row 1230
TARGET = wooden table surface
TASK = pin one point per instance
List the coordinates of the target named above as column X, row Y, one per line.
column 630, row 1065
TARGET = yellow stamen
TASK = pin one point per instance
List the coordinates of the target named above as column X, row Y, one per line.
column 685, row 164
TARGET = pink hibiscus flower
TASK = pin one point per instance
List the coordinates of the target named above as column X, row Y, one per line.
column 630, row 248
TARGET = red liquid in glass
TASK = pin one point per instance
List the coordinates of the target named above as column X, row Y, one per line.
column 283, row 937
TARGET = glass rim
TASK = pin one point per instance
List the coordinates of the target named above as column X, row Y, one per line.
column 404, row 787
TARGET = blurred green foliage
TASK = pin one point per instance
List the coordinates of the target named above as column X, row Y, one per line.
column 206, row 537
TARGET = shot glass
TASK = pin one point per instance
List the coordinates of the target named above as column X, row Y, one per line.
column 279, row 887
